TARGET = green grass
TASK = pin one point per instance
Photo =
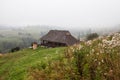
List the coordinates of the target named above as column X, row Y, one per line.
column 15, row 66
column 93, row 60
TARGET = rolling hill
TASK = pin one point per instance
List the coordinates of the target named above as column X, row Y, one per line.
column 16, row 66
column 97, row 59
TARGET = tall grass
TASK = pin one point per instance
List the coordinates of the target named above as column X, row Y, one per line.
column 98, row 59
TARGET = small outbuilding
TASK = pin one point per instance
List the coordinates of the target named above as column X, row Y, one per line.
column 1, row 54
column 34, row 45
column 57, row 38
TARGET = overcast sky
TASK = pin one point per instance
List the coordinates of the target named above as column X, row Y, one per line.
column 60, row 12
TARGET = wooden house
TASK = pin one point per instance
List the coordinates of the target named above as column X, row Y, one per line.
column 57, row 38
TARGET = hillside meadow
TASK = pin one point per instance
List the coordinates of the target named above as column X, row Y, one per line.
column 97, row 59
column 15, row 66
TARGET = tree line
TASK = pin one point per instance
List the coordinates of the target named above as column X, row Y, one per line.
column 24, row 42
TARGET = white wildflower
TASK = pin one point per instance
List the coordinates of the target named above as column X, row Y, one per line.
column 99, row 63
column 93, row 50
column 104, row 40
column 87, row 55
column 101, row 51
column 97, row 53
column 102, row 61
column 95, row 59
column 89, row 42
column 99, row 44
column 79, row 47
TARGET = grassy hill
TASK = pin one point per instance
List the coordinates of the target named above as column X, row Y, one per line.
column 97, row 59
column 15, row 66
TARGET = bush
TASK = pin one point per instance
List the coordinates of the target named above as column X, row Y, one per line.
column 99, row 59
column 15, row 49
column 92, row 36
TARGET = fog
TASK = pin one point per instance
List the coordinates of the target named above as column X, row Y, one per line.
column 65, row 13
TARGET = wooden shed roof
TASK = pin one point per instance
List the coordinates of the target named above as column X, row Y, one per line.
column 60, row 36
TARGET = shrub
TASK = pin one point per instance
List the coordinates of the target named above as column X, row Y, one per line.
column 99, row 60
column 15, row 49
column 92, row 36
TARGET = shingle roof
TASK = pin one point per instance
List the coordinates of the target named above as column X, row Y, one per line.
column 60, row 36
